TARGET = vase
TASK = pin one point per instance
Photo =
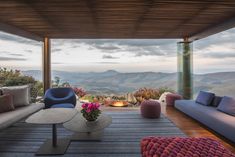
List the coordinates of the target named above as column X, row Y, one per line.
column 91, row 123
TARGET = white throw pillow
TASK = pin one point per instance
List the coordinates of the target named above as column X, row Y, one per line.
column 20, row 94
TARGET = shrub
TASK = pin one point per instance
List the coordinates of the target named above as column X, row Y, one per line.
column 14, row 78
column 57, row 83
column 146, row 94
column 165, row 89
column 79, row 92
column 39, row 87
column 116, row 97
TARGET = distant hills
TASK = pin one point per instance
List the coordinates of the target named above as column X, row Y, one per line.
column 113, row 82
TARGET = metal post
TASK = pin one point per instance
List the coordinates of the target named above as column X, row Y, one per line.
column 46, row 64
column 185, row 69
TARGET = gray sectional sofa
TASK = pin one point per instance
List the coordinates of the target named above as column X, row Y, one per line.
column 220, row 122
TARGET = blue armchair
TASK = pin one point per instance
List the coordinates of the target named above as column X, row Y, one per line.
column 60, row 98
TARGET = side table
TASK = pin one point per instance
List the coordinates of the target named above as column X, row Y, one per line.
column 52, row 117
column 88, row 131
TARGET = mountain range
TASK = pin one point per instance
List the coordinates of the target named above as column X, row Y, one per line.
column 113, row 82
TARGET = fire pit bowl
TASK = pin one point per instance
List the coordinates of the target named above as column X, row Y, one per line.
column 119, row 104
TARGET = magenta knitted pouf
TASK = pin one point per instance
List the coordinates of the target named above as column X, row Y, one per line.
column 171, row 98
column 183, row 147
column 150, row 109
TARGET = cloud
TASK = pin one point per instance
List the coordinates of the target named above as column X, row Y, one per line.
column 12, row 59
column 153, row 51
column 152, row 47
column 57, row 63
column 75, row 46
column 109, row 57
column 11, row 54
column 219, row 55
column 137, row 47
column 29, row 51
column 16, row 54
column 56, row 50
column 107, row 62
column 105, row 46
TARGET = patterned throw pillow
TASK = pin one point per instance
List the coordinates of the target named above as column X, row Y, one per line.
column 6, row 103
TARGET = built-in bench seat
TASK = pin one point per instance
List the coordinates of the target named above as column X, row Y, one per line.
column 9, row 118
column 218, row 121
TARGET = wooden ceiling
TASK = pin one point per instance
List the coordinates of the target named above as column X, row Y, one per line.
column 116, row 18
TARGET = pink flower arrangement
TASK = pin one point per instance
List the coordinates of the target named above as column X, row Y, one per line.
column 90, row 111
column 79, row 91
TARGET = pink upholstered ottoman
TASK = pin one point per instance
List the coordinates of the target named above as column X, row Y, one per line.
column 183, row 147
column 150, row 109
column 171, row 98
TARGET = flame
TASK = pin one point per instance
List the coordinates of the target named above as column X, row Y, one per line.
column 119, row 104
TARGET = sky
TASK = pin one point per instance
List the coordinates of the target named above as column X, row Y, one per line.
column 212, row 54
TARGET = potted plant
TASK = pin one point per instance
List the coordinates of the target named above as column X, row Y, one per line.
column 91, row 111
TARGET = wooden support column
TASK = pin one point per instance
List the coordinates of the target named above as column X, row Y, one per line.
column 46, row 64
column 185, row 68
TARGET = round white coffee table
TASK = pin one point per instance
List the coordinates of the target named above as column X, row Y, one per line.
column 85, row 130
column 53, row 116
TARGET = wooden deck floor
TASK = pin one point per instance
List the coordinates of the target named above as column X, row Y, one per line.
column 121, row 138
column 192, row 128
column 189, row 126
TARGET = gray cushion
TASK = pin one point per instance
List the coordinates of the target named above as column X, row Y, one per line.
column 20, row 94
column 9, row 118
column 6, row 103
column 209, row 116
column 227, row 105
column 205, row 98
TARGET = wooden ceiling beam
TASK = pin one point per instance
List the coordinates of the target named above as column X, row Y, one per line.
column 189, row 20
column 91, row 6
column 214, row 29
column 18, row 31
column 141, row 19
column 44, row 17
